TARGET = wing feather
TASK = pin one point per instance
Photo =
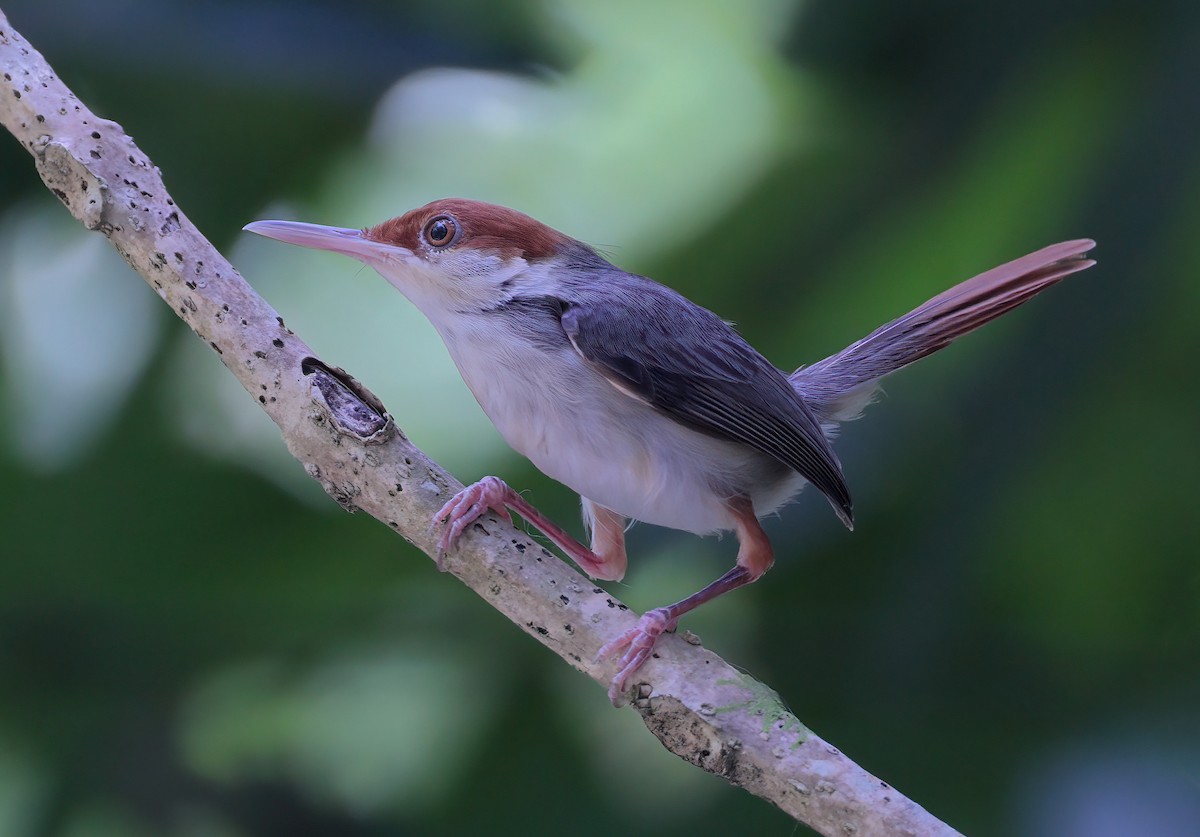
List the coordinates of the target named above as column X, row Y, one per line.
column 686, row 362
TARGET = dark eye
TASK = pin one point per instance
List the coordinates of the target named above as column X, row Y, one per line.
column 441, row 231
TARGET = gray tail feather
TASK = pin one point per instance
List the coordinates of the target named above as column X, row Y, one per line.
column 839, row 387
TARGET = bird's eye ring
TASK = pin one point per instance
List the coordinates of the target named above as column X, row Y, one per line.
column 440, row 231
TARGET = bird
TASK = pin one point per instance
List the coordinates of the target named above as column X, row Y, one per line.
column 647, row 405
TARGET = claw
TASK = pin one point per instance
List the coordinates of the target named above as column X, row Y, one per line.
column 467, row 506
column 638, row 644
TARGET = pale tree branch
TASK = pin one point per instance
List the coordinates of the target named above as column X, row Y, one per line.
column 697, row 705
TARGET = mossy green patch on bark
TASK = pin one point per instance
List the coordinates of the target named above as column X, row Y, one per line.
column 766, row 702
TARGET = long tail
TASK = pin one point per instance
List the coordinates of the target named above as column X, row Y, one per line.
column 840, row 386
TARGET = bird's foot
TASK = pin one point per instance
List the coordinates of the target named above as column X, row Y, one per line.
column 467, row 506
column 638, row 644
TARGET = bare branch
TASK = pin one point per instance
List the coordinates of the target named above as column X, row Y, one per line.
column 696, row 704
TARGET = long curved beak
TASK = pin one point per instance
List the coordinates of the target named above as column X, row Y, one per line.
column 353, row 243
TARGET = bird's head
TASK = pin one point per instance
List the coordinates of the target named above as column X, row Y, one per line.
column 448, row 256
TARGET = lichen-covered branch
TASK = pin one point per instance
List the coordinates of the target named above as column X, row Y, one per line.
column 696, row 704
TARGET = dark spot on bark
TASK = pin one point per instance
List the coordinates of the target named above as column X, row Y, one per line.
column 40, row 118
column 277, row 343
column 399, row 487
column 520, row 546
column 262, row 399
column 259, row 355
column 95, row 135
column 95, row 154
column 215, row 346
column 190, row 284
column 564, row 600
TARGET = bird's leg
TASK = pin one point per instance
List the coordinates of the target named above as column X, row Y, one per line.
column 608, row 541
column 754, row 558
column 605, row 560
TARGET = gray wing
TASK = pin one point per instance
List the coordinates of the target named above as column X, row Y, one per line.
column 688, row 363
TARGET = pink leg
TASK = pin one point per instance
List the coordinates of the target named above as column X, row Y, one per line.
column 754, row 558
column 492, row 494
column 640, row 640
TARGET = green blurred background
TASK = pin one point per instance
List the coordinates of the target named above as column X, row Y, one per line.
column 195, row 641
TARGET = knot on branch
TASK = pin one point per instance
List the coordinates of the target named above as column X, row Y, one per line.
column 353, row 409
column 81, row 191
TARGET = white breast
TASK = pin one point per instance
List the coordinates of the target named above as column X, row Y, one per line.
column 577, row 428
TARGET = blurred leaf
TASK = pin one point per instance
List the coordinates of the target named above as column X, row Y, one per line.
column 75, row 334
column 22, row 790
column 370, row 729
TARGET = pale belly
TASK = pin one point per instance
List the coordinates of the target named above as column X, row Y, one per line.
column 578, row 429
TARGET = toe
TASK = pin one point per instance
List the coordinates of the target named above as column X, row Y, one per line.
column 613, row 646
